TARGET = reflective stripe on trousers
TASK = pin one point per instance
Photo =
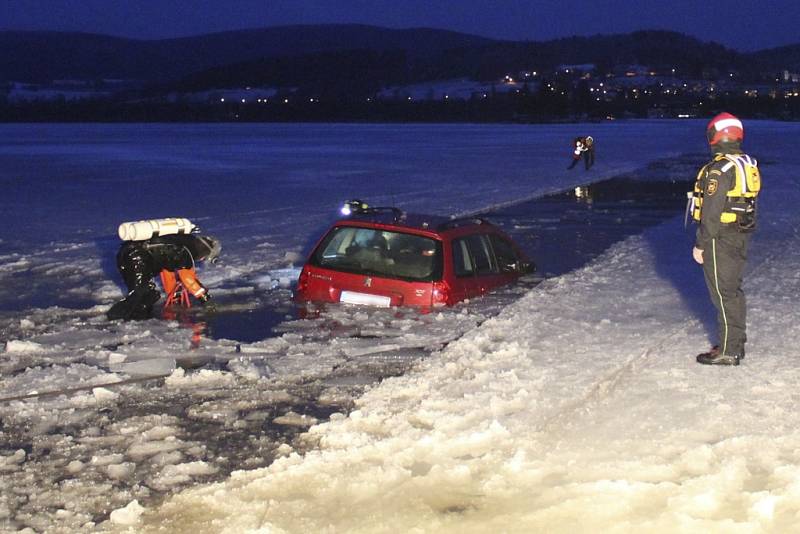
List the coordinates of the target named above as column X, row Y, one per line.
column 723, row 267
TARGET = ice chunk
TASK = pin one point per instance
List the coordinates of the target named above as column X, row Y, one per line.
column 23, row 347
column 120, row 471
column 152, row 367
column 251, row 368
column 104, row 394
column 173, row 475
column 292, row 257
column 116, row 357
column 75, row 466
column 129, row 515
column 9, row 463
column 295, row 419
column 203, row 378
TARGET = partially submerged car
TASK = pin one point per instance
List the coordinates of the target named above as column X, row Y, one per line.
column 387, row 257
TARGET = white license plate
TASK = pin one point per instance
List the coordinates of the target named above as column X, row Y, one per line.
column 351, row 297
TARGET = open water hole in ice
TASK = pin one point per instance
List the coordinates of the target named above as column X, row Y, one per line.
column 559, row 232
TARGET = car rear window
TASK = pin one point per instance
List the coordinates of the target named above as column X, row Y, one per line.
column 380, row 253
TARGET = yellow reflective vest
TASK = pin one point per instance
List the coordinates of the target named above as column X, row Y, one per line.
column 740, row 202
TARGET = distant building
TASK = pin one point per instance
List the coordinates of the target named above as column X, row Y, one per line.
column 455, row 89
column 578, row 69
column 631, row 71
column 791, row 77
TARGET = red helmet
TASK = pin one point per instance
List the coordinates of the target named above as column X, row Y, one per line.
column 724, row 127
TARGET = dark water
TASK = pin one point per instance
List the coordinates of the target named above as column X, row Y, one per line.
column 564, row 232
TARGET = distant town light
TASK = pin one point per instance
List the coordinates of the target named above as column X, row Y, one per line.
column 222, row 100
column 243, row 101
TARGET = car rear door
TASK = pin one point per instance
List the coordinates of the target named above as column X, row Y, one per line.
column 474, row 265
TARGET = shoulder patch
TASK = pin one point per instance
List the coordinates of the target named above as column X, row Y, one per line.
column 713, row 184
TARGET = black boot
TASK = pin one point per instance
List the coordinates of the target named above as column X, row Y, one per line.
column 136, row 306
column 715, row 357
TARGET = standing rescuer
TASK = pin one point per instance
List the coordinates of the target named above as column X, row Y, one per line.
column 724, row 205
column 583, row 148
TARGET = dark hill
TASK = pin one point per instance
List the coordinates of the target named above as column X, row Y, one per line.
column 330, row 54
column 778, row 59
column 362, row 70
column 46, row 56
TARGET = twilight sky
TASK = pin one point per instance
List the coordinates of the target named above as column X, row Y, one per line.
column 742, row 25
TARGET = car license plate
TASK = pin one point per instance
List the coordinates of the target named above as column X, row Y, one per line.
column 351, row 297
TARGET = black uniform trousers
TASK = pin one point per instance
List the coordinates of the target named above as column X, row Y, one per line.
column 723, row 265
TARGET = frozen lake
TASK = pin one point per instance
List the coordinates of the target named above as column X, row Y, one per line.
column 267, row 191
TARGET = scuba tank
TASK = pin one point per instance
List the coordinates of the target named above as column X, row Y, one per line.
column 143, row 230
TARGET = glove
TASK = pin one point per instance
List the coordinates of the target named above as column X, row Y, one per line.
column 205, row 300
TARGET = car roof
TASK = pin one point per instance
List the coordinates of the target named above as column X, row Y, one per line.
column 400, row 220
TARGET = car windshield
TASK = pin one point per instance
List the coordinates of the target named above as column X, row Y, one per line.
column 380, row 253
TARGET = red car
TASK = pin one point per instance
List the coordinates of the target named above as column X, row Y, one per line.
column 386, row 257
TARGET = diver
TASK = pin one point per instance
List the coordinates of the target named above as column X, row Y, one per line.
column 173, row 256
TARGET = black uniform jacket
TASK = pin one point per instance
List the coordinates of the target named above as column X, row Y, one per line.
column 715, row 184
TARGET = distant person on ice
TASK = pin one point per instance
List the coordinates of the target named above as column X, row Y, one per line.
column 724, row 203
column 173, row 256
column 583, row 148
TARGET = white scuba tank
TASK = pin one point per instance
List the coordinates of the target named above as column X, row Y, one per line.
column 141, row 230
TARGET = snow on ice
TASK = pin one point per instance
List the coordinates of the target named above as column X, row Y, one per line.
column 577, row 408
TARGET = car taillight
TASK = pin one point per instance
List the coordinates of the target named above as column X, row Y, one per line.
column 441, row 293
column 302, row 282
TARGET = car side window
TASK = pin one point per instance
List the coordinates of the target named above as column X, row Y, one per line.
column 472, row 255
column 462, row 262
column 504, row 253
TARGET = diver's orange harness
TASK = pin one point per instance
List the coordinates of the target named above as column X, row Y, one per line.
column 740, row 203
column 178, row 287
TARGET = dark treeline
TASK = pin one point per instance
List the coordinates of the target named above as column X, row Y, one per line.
column 345, row 72
column 501, row 107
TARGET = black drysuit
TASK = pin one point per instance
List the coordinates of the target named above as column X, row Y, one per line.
column 140, row 261
column 724, row 247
